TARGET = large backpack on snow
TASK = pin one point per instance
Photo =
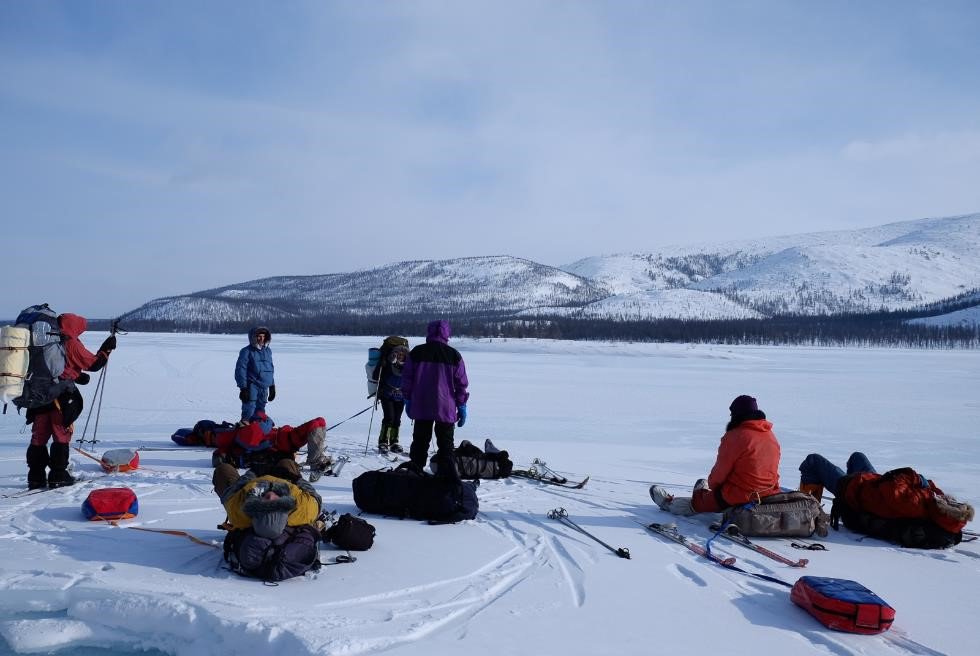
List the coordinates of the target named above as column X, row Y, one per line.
column 473, row 463
column 204, row 433
column 407, row 493
column 293, row 553
column 901, row 506
column 787, row 514
column 33, row 381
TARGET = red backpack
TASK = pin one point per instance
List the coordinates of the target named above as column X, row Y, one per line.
column 903, row 494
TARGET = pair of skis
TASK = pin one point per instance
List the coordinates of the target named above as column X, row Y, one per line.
column 541, row 472
column 670, row 532
column 30, row 492
column 732, row 534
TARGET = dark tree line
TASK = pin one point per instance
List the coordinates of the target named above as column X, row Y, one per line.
column 887, row 328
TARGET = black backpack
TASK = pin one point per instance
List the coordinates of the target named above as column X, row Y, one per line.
column 291, row 554
column 351, row 533
column 407, row 493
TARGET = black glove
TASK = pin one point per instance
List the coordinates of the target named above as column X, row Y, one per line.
column 272, row 392
column 83, row 378
column 243, row 394
column 109, row 345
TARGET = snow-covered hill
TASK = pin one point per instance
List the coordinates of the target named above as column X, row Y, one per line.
column 898, row 265
column 893, row 266
column 475, row 285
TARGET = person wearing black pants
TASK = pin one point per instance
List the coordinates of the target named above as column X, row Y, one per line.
column 434, row 386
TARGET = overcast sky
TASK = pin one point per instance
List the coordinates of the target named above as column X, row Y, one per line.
column 161, row 147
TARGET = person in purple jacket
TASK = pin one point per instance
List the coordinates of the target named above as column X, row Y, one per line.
column 434, row 386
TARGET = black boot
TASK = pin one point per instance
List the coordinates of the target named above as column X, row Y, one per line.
column 393, row 444
column 37, row 463
column 59, row 476
column 383, row 439
column 445, row 453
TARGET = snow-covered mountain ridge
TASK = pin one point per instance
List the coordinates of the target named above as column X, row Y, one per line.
column 893, row 266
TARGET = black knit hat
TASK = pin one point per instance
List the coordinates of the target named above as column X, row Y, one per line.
column 743, row 405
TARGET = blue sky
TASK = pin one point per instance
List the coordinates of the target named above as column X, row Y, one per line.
column 161, row 147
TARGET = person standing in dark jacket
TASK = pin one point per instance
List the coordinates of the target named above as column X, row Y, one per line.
column 389, row 377
column 434, row 386
column 255, row 373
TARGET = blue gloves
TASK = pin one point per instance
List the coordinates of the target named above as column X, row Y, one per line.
column 461, row 414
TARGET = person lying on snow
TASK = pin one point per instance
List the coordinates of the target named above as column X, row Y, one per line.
column 273, row 532
column 900, row 506
column 259, row 443
column 746, row 469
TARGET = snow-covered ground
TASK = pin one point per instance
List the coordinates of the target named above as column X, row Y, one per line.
column 512, row 581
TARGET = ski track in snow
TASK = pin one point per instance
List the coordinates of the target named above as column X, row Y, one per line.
column 406, row 614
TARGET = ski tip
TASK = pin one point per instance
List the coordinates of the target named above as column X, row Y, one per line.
column 728, row 562
column 802, row 562
column 582, row 484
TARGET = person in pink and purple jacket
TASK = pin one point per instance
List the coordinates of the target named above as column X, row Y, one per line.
column 434, row 385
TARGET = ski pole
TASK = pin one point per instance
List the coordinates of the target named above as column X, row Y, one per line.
column 562, row 516
column 374, row 407
column 99, row 393
column 96, row 396
column 349, row 418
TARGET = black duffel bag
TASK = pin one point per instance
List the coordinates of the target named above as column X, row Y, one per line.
column 407, row 493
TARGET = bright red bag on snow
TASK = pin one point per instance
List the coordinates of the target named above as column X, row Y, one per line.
column 843, row 605
column 110, row 503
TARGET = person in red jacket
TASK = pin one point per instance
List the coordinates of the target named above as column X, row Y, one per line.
column 56, row 418
column 746, row 469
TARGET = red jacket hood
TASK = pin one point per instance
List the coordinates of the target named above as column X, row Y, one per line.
column 72, row 325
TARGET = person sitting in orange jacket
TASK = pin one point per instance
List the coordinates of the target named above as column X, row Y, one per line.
column 746, row 469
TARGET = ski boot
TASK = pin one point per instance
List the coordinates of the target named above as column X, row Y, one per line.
column 59, row 476
column 393, row 444
column 37, row 463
